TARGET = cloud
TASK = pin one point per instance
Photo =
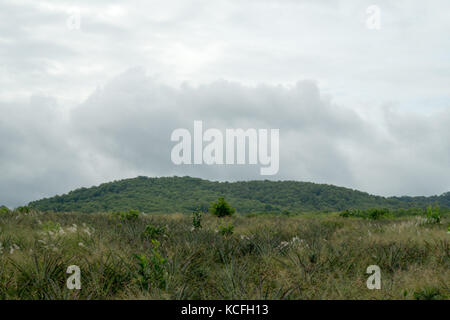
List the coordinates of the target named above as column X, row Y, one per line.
column 123, row 130
column 374, row 117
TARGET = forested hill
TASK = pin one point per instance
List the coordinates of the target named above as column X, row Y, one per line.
column 184, row 194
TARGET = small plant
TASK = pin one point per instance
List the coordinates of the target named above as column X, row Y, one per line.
column 432, row 215
column 428, row 293
column 197, row 219
column 227, row 230
column 375, row 214
column 130, row 215
column 153, row 232
column 51, row 226
column 221, row 208
column 4, row 209
column 346, row 214
column 151, row 271
column 23, row 209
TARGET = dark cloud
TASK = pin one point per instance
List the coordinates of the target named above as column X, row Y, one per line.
column 123, row 130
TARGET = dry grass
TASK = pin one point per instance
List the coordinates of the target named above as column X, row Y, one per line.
column 266, row 258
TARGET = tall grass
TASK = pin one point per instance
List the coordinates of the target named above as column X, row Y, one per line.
column 262, row 257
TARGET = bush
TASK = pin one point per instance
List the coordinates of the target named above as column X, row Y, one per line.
column 24, row 209
column 346, row 214
column 221, row 208
column 227, row 230
column 429, row 293
column 153, row 232
column 151, row 271
column 130, row 215
column 375, row 214
column 432, row 215
column 197, row 219
column 4, row 209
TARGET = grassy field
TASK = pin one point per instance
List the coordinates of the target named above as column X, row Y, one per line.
column 259, row 257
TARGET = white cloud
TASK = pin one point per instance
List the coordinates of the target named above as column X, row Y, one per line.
column 377, row 123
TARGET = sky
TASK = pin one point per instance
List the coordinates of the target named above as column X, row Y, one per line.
column 92, row 90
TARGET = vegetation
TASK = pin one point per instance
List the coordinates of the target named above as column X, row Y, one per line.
column 185, row 194
column 221, row 208
column 258, row 256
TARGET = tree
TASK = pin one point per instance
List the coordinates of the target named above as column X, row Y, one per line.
column 221, row 208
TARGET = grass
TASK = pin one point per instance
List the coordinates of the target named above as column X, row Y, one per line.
column 259, row 257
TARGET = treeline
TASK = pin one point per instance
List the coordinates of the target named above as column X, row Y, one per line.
column 186, row 194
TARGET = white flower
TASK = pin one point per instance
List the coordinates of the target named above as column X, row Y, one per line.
column 81, row 244
column 283, row 245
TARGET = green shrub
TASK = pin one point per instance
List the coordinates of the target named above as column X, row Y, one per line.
column 432, row 215
column 51, row 226
column 4, row 209
column 375, row 214
column 221, row 208
column 151, row 271
column 130, row 215
column 429, row 293
column 23, row 209
column 153, row 232
column 197, row 219
column 346, row 214
column 227, row 230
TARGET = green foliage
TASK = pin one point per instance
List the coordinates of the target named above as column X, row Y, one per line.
column 51, row 226
column 375, row 214
column 130, row 215
column 346, row 214
column 262, row 257
column 197, row 219
column 153, row 232
column 429, row 293
column 226, row 230
column 432, row 215
column 184, row 194
column 23, row 209
column 221, row 208
column 151, row 270
column 4, row 209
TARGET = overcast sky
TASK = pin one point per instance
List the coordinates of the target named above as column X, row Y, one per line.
column 358, row 107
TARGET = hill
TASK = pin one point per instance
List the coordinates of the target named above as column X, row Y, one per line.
column 184, row 194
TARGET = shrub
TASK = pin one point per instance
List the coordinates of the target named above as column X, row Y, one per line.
column 51, row 226
column 153, row 232
column 197, row 219
column 227, row 230
column 4, row 209
column 23, row 209
column 151, row 271
column 130, row 215
column 346, row 214
column 429, row 293
column 432, row 215
column 375, row 214
column 221, row 208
